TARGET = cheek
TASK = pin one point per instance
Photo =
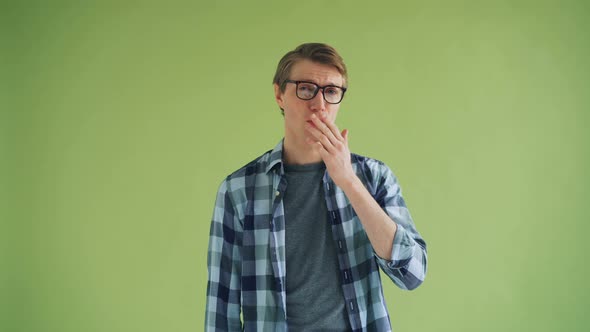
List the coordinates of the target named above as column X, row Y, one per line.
column 292, row 104
column 332, row 116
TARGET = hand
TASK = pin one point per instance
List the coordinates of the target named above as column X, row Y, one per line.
column 332, row 145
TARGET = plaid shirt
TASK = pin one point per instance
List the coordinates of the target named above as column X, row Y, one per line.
column 246, row 256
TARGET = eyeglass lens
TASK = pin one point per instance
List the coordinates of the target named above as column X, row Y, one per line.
column 332, row 94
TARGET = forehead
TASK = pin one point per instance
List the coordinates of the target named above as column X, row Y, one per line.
column 307, row 70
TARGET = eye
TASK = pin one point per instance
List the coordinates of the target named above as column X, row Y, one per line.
column 333, row 91
column 306, row 87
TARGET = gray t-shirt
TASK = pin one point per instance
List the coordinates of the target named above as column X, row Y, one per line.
column 315, row 300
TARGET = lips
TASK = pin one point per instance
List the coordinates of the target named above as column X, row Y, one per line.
column 311, row 123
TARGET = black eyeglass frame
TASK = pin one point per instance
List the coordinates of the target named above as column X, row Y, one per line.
column 318, row 88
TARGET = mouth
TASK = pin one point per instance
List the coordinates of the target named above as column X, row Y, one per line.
column 311, row 123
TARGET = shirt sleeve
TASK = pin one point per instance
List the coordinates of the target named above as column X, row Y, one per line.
column 407, row 264
column 223, row 265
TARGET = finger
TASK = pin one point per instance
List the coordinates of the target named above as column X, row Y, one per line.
column 320, row 137
column 345, row 135
column 314, row 131
column 313, row 142
column 333, row 128
column 321, row 150
column 324, row 127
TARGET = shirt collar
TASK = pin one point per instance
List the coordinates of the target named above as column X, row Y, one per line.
column 276, row 157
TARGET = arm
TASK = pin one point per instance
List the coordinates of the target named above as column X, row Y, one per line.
column 400, row 250
column 224, row 268
column 406, row 264
column 379, row 227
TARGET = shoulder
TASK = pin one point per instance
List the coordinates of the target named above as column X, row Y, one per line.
column 241, row 178
column 256, row 166
column 378, row 178
column 371, row 166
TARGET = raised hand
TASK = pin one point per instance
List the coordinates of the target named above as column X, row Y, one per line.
column 332, row 145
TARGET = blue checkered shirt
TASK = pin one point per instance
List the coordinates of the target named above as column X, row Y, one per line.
column 246, row 255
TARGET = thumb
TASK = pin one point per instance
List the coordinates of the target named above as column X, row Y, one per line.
column 345, row 134
column 320, row 149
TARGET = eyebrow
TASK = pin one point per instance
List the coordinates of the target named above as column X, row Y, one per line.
column 330, row 83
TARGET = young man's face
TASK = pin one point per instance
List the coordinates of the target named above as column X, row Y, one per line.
column 297, row 111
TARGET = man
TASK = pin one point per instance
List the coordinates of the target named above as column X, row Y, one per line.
column 298, row 234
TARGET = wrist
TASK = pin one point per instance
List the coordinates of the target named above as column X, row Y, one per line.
column 351, row 183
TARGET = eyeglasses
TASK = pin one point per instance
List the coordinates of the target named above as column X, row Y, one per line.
column 308, row 90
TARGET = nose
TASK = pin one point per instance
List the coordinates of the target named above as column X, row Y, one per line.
column 318, row 103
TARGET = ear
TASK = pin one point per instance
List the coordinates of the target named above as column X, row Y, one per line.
column 278, row 95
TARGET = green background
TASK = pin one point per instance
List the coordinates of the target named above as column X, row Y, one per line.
column 120, row 119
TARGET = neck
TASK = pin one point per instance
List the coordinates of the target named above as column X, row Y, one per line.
column 299, row 153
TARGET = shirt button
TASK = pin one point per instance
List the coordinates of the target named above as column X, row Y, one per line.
column 277, row 193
